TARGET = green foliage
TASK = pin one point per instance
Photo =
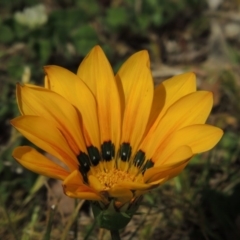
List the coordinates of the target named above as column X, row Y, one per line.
column 110, row 218
column 6, row 34
column 116, row 18
column 84, row 38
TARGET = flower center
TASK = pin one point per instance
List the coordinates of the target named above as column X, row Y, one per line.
column 114, row 176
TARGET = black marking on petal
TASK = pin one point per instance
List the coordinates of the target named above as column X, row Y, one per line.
column 84, row 161
column 139, row 158
column 94, row 155
column 149, row 163
column 84, row 174
column 125, row 151
column 108, row 151
column 84, row 165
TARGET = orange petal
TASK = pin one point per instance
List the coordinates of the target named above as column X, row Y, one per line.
column 122, row 195
column 53, row 107
column 97, row 73
column 46, row 82
column 199, row 138
column 164, row 167
column 72, row 88
column 177, row 155
column 74, row 187
column 168, row 92
column 191, row 109
column 45, row 135
column 166, row 175
column 134, row 186
column 137, row 82
column 95, row 183
column 36, row 162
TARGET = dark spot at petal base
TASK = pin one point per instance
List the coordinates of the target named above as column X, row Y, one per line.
column 139, row 158
column 149, row 163
column 125, row 151
column 84, row 165
column 94, row 155
column 108, row 151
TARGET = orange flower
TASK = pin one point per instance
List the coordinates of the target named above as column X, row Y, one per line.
column 117, row 136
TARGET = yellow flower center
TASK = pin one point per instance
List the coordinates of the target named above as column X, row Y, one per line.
column 114, row 176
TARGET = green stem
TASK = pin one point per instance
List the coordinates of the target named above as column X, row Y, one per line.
column 90, row 230
column 115, row 235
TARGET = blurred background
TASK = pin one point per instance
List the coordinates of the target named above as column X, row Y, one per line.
column 180, row 35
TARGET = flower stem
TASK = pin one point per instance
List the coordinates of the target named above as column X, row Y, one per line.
column 115, row 235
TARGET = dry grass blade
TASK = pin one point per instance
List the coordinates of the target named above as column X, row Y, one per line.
column 71, row 220
column 47, row 235
column 40, row 181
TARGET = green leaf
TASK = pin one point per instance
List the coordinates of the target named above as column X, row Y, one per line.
column 110, row 218
column 117, row 17
column 143, row 22
column 6, row 35
column 90, row 7
column 15, row 69
column 21, row 31
column 84, row 39
column 45, row 48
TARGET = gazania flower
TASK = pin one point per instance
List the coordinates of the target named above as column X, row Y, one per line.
column 116, row 136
